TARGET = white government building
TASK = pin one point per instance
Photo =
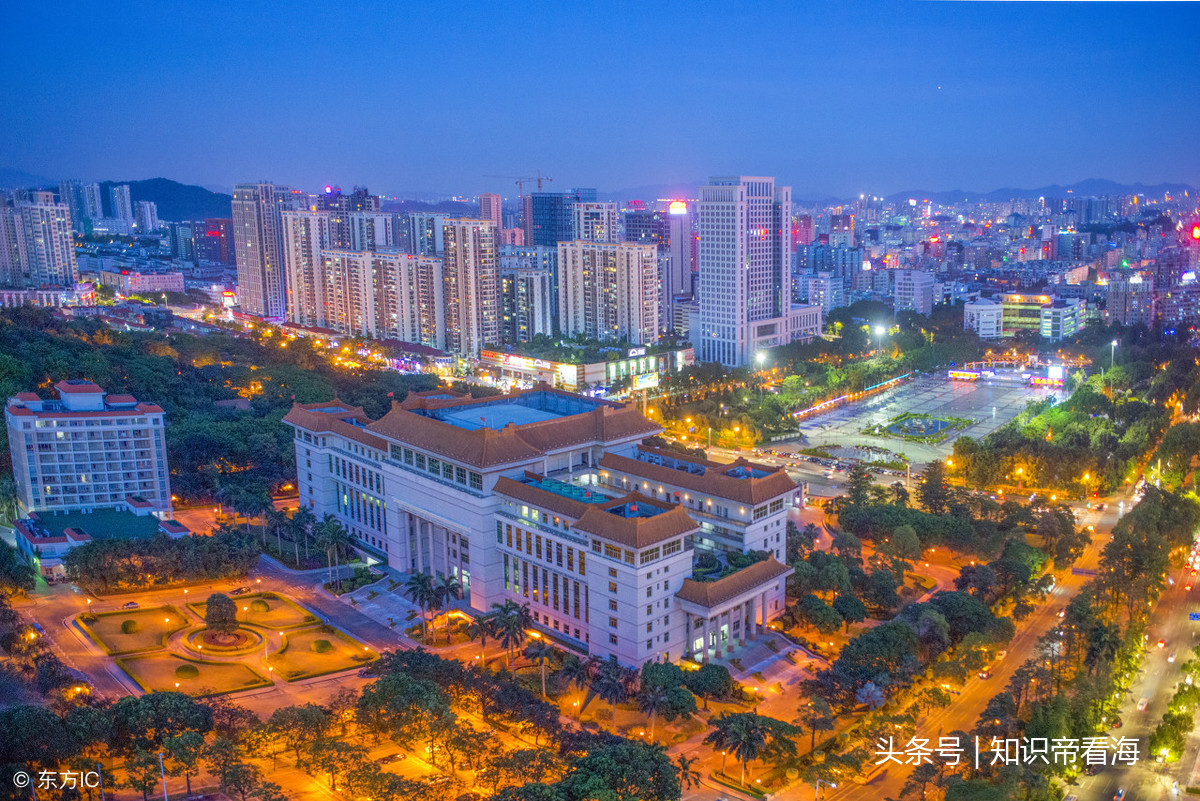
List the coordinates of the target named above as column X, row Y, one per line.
column 549, row 498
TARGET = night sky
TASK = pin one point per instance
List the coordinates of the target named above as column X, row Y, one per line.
column 833, row 98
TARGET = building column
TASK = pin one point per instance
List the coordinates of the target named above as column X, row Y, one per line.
column 752, row 604
column 765, row 612
column 446, row 549
column 704, row 653
column 720, row 651
column 689, row 635
column 743, row 624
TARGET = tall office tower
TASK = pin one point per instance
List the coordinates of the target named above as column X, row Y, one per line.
column 550, row 220
column 841, row 230
column 491, row 208
column 305, row 236
column 38, row 246
column 677, row 273
column 257, row 231
column 213, row 240
column 802, row 230
column 371, row 230
column 122, row 206
column 64, row 462
column 93, row 202
column 70, row 192
column 745, row 268
column 145, row 216
column 913, row 292
column 525, row 291
column 609, row 291
column 646, row 227
column 425, row 233
column 183, row 240
column 472, row 284
column 595, row 222
column 1131, row 300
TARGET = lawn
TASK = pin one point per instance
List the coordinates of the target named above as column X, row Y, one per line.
column 318, row 650
column 165, row 671
column 266, row 609
column 132, row 631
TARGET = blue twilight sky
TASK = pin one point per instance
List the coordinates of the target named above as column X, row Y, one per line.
column 833, row 98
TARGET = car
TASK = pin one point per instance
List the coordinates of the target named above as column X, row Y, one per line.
column 391, row 759
column 1092, row 770
column 131, row 605
column 1162, row 644
column 1061, row 613
column 38, row 628
column 1120, row 796
column 436, row 780
column 1116, row 724
column 986, row 673
column 240, row 591
column 1001, row 655
column 1171, row 657
column 366, row 673
column 1141, row 707
column 1187, row 587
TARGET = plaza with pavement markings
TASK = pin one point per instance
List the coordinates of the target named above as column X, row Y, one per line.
column 988, row 404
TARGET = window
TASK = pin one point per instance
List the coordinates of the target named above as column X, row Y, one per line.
column 650, row 627
column 649, row 591
column 499, row 533
column 649, row 609
column 612, row 639
column 596, row 548
column 671, row 547
column 629, row 557
column 420, row 461
column 581, row 563
column 612, row 551
column 435, row 466
column 396, row 452
column 612, row 571
column 408, row 456
column 612, row 586
column 760, row 512
column 538, row 544
column 649, row 645
column 447, row 471
column 476, row 481
column 648, row 555
column 460, row 475
column 612, row 622
column 612, row 604
column 777, row 505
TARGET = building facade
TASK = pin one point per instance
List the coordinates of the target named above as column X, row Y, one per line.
column 913, row 292
column 609, row 291
column 505, row 494
column 472, row 286
column 258, row 248
column 87, row 450
column 596, row 222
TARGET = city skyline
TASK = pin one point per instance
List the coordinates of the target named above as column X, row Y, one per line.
column 874, row 98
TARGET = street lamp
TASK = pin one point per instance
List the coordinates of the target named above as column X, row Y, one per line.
column 817, row 788
column 1112, row 361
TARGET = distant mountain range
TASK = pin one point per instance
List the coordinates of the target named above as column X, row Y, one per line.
column 176, row 201
column 1092, row 187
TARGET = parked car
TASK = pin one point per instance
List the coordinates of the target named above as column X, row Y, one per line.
column 391, row 759
column 131, row 605
column 240, row 591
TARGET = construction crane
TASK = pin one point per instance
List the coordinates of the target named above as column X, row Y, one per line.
column 522, row 179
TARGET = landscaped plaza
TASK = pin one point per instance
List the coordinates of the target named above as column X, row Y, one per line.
column 163, row 648
column 988, row 405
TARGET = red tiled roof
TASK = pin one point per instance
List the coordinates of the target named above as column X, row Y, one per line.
column 28, row 396
column 713, row 482
column 309, row 417
column 543, row 498
column 86, row 387
column 635, row 532
column 713, row 593
column 120, row 399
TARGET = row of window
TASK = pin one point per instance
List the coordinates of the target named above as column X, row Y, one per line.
column 356, row 474
column 438, row 467
column 545, row 587
column 531, row 544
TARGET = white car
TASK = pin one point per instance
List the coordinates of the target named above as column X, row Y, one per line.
column 1141, row 707
column 1171, row 657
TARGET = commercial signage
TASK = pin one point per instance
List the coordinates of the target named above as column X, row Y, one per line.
column 636, row 352
column 645, row 381
column 518, row 362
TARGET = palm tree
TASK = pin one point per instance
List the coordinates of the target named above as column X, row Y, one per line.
column 276, row 521
column 576, row 671
column 445, row 589
column 8, row 497
column 263, row 505
column 302, row 522
column 332, row 537
column 652, row 701
column 747, row 738
column 244, row 503
column 610, row 685
column 689, row 777
column 419, row 589
column 480, row 628
column 540, row 652
column 511, row 623
column 870, row 695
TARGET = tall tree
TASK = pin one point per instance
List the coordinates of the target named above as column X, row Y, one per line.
column 540, row 652
column 419, row 589
column 933, row 492
column 653, row 701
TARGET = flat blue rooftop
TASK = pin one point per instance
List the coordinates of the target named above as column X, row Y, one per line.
column 573, row 491
column 532, row 407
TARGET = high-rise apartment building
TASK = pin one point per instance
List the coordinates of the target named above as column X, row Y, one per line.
column 122, row 204
column 678, row 269
column 93, row 202
column 70, row 192
column 306, row 236
column 257, row 236
column 425, row 233
column 213, row 240
column 86, row 450
column 491, row 207
column 525, row 294
column 472, row 284
column 595, row 222
column 745, row 270
column 913, row 292
column 1131, row 300
column 841, row 230
column 383, row 295
column 826, row 291
column 145, row 216
column 609, row 291
column 37, row 247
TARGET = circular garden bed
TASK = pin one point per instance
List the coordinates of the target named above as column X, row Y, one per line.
column 212, row 643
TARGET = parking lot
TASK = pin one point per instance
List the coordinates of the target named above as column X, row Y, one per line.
column 990, row 405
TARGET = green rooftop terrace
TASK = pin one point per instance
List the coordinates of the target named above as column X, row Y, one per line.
column 102, row 524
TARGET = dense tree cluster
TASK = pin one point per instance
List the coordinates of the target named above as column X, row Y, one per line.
column 123, row 565
column 207, row 446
